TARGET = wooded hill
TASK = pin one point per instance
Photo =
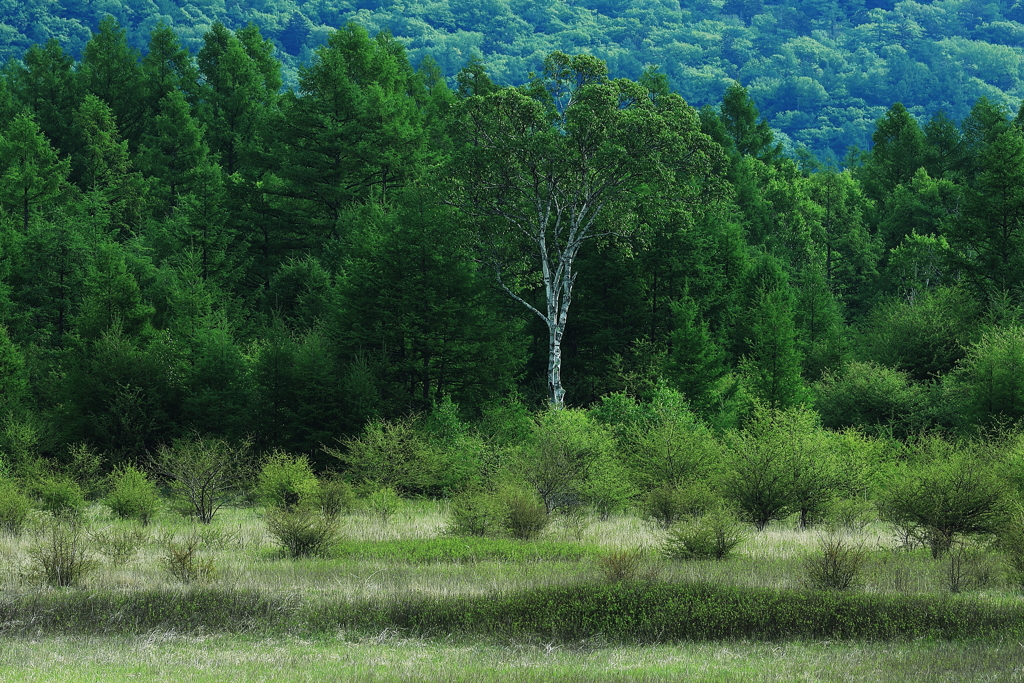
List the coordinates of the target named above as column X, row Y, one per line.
column 186, row 246
column 822, row 71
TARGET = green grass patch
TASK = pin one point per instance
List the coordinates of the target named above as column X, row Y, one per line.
column 652, row 612
column 455, row 549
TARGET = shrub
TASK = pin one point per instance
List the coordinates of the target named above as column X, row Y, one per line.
column 713, row 536
column 946, row 499
column 391, row 453
column 337, row 497
column 59, row 496
column 119, row 543
column 287, row 482
column 133, row 495
column 1011, row 542
column 384, row 503
column 14, row 507
column 621, row 565
column 62, row 556
column 525, row 514
column 476, row 512
column 302, row 532
column 182, row 560
column 205, row 473
column 836, row 565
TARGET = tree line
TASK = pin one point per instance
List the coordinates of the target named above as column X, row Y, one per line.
column 189, row 247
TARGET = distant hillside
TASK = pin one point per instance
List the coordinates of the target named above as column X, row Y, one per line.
column 822, row 71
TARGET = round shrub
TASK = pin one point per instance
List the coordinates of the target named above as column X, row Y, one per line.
column 302, row 532
column 287, row 482
column 133, row 495
column 712, row 536
column 525, row 514
column 14, row 507
column 667, row 504
column 337, row 497
column 476, row 512
column 60, row 497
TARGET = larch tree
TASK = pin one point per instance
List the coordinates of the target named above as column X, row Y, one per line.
column 544, row 169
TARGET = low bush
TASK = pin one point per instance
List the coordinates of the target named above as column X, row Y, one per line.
column 14, row 507
column 119, row 543
column 836, row 565
column 384, row 503
column 61, row 557
column 133, row 495
column 525, row 514
column 476, row 512
column 60, row 497
column 183, row 560
column 621, row 565
column 287, row 482
column 337, row 497
column 302, row 532
column 667, row 505
column 712, row 536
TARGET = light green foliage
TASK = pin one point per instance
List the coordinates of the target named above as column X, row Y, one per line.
column 945, row 497
column 14, row 507
column 60, row 496
column 992, row 377
column 667, row 505
column 132, row 495
column 476, row 512
column 778, row 464
column 286, row 482
column 337, row 497
column 526, row 515
column 713, row 535
column 392, row 454
column 384, row 503
column 562, row 454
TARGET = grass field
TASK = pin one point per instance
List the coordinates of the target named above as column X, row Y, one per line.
column 398, row 600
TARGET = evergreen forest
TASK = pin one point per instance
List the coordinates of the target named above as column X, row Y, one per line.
column 190, row 247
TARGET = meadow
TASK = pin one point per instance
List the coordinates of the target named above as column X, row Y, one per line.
column 398, row 598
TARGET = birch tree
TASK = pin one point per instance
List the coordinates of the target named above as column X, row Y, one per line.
column 560, row 162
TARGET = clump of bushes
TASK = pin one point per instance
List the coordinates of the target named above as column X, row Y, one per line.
column 132, row 495
column 183, row 560
column 667, row 504
column 513, row 511
column 287, row 483
column 302, row 532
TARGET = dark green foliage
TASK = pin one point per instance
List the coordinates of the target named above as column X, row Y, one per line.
column 525, row 514
column 870, row 397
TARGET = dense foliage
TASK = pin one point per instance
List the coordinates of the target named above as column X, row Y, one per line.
column 822, row 71
column 192, row 253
